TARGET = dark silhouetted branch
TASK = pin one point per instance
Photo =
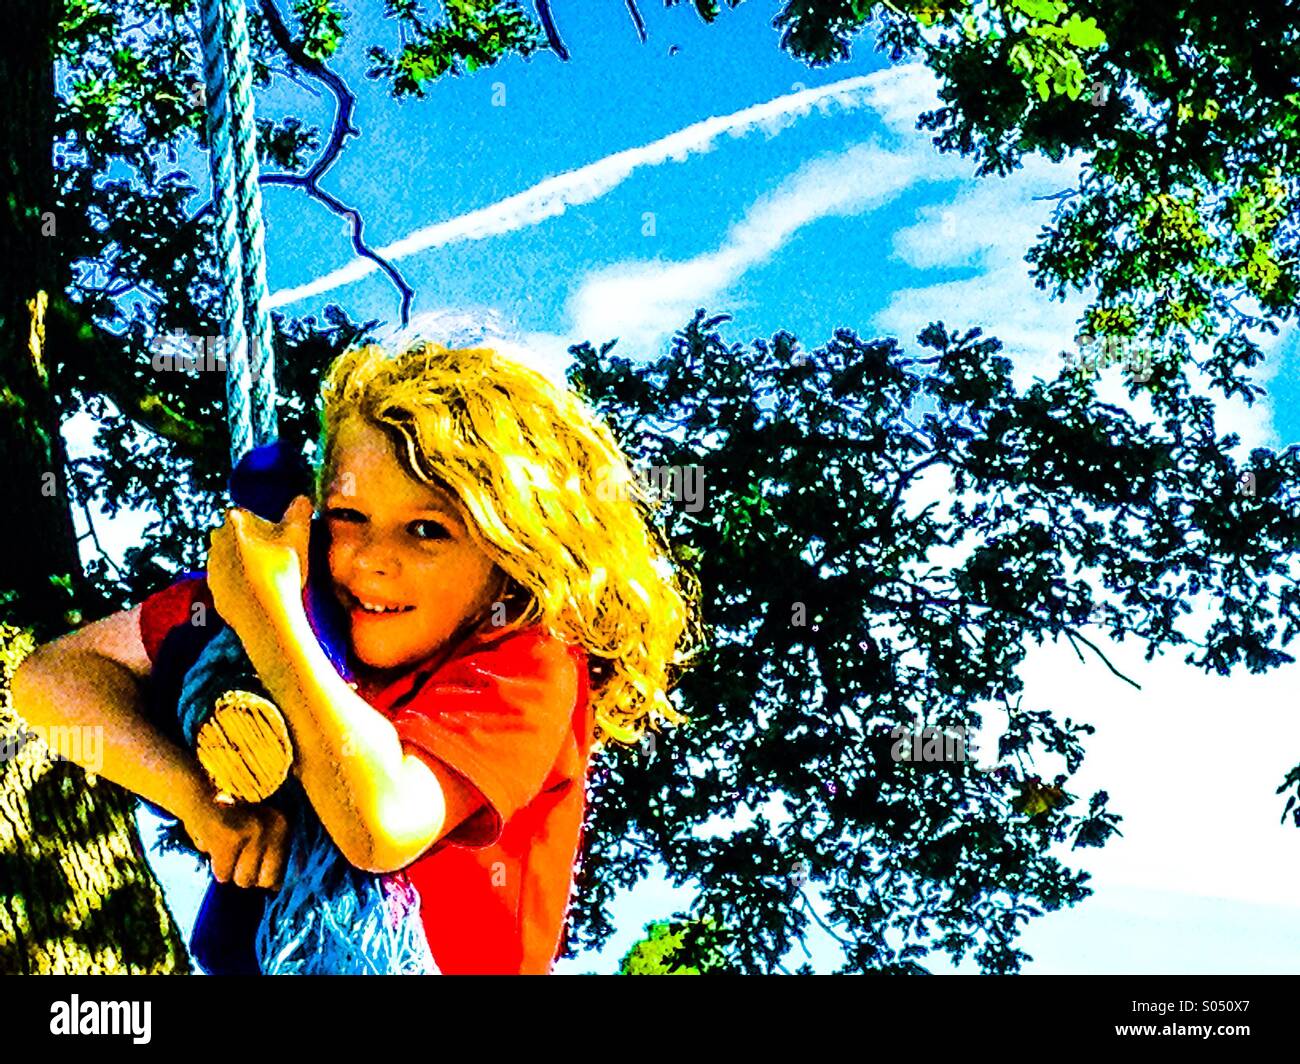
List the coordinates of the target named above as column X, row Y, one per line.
column 636, row 18
column 342, row 129
column 552, row 34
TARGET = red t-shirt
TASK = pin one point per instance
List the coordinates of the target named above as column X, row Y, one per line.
column 511, row 714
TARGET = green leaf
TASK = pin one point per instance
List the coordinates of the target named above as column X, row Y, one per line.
column 1084, row 33
column 1040, row 9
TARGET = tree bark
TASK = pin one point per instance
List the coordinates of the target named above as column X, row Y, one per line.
column 76, row 892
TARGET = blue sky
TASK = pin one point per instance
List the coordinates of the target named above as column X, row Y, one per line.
column 611, row 195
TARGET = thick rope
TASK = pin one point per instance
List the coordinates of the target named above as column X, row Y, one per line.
column 251, row 234
column 250, row 374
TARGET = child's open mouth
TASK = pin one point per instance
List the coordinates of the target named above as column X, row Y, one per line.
column 360, row 606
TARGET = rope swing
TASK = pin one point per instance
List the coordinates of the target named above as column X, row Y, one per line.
column 250, row 381
column 237, row 198
column 328, row 917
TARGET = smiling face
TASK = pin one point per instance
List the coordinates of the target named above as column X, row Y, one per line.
column 402, row 561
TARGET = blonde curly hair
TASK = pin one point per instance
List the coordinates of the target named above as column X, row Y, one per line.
column 553, row 502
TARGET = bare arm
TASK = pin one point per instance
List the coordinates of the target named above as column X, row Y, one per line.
column 382, row 806
column 90, row 679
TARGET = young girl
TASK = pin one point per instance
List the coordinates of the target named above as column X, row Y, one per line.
column 511, row 606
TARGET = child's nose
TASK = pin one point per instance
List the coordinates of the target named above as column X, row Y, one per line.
column 375, row 555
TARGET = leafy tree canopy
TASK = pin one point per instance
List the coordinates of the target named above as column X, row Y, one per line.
column 837, row 625
column 833, row 622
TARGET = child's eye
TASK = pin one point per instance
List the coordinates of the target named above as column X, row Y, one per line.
column 428, row 530
column 434, row 530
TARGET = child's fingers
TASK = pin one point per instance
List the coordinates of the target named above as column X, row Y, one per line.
column 224, row 859
column 274, row 854
column 271, row 874
column 248, row 866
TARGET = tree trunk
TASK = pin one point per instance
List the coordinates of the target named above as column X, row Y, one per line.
column 76, row 893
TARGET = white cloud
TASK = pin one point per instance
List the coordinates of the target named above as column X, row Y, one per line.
column 641, row 302
column 550, row 198
column 1192, row 762
column 982, row 233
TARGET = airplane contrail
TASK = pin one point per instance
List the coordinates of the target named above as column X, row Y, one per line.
column 551, row 197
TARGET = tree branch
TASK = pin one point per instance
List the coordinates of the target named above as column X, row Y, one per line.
column 100, row 361
column 821, row 923
column 90, row 521
column 343, row 128
column 548, row 24
column 637, row 19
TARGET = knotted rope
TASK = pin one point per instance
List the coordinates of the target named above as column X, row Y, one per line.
column 237, row 197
